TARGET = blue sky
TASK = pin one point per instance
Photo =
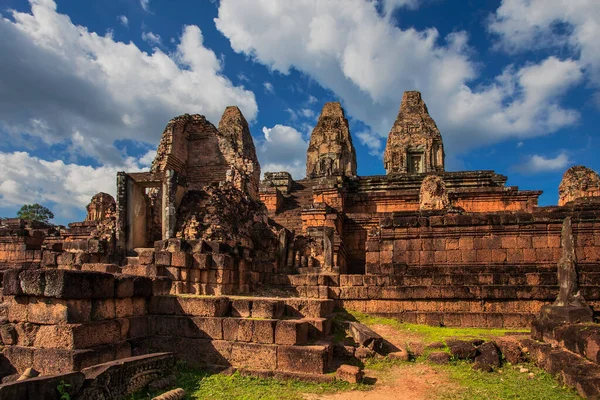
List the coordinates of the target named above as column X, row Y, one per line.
column 86, row 87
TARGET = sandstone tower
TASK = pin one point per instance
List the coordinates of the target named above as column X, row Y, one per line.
column 330, row 152
column 414, row 144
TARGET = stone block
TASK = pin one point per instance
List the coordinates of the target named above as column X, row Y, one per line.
column 266, row 308
column 291, row 332
column 58, row 311
column 99, row 267
column 181, row 259
column 123, row 285
column 78, row 336
column 162, row 258
column 254, row 356
column 209, row 326
column 103, row 309
column 204, row 306
column 263, row 331
column 165, row 305
column 11, row 285
column 349, row 373
column 304, row 359
column 222, row 261
column 241, row 308
column 201, row 261
column 76, row 284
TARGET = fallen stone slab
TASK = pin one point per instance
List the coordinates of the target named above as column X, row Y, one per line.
column 365, row 336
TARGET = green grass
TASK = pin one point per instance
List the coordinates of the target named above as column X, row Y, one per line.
column 200, row 384
column 431, row 334
column 510, row 384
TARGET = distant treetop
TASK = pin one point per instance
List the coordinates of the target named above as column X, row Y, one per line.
column 35, row 212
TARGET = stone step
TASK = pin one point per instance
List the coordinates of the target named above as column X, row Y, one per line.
column 462, row 319
column 573, row 370
column 241, row 307
column 310, row 359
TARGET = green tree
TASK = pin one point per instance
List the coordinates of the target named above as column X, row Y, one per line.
column 35, row 212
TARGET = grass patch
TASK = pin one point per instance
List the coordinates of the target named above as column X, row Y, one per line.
column 431, row 334
column 199, row 384
column 510, row 384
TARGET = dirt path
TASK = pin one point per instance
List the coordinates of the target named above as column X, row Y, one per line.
column 403, row 382
column 407, row 382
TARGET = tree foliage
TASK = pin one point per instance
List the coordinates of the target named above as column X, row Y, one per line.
column 35, row 212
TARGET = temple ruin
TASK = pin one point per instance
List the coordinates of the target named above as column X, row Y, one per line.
column 199, row 259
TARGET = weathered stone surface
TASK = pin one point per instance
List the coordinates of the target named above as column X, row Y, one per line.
column 414, row 144
column 330, row 151
column 439, row 357
column 488, row 357
column 570, row 305
column 238, row 149
column 462, row 349
column 102, row 206
column 117, row 379
column 349, row 373
column 433, row 194
column 365, row 336
column 43, row 387
column 578, row 182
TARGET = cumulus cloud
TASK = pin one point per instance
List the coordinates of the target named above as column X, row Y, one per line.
column 26, row 179
column 571, row 25
column 351, row 49
column 151, row 38
column 90, row 90
column 372, row 142
column 63, row 84
column 537, row 164
column 307, row 113
column 123, row 20
column 282, row 148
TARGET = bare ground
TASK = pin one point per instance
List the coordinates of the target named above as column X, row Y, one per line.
column 402, row 382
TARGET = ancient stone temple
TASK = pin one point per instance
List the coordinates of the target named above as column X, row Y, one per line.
column 198, row 258
column 414, row 144
column 330, row 151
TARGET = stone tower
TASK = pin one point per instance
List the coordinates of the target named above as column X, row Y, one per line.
column 414, row 144
column 330, row 152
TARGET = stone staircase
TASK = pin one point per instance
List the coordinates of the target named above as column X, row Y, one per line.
column 251, row 333
column 290, row 214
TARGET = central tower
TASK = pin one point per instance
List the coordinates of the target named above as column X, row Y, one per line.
column 414, row 144
column 330, row 151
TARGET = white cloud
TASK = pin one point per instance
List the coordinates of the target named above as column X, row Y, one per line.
column 372, row 141
column 349, row 48
column 145, row 5
column 292, row 113
column 307, row 113
column 269, row 87
column 151, row 38
column 536, row 164
column 283, row 149
column 90, row 90
column 571, row 25
column 123, row 20
column 26, row 179
column 312, row 99
column 390, row 6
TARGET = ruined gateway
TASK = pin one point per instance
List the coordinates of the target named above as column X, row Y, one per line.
column 269, row 260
